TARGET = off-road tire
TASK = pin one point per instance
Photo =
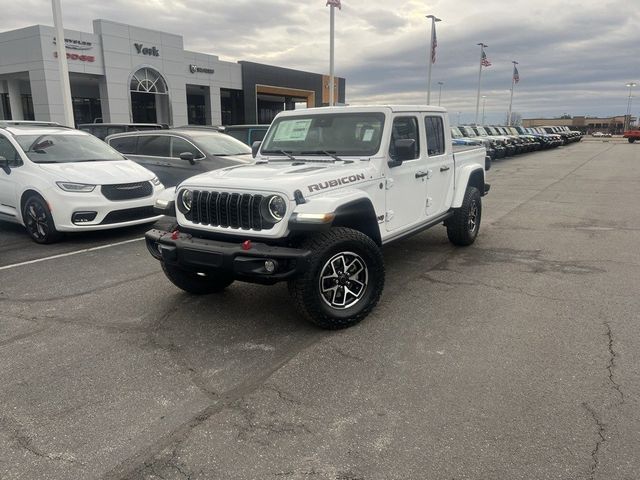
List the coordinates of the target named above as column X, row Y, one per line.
column 194, row 283
column 340, row 245
column 38, row 221
column 631, row 140
column 463, row 227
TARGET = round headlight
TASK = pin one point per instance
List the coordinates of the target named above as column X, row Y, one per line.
column 277, row 207
column 186, row 200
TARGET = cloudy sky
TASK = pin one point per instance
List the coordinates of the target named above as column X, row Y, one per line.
column 575, row 56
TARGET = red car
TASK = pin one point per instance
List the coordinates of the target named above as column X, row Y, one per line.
column 632, row 135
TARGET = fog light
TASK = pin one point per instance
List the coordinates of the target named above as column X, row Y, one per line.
column 83, row 217
column 270, row 266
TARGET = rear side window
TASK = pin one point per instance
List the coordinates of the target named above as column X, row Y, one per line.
column 179, row 145
column 405, row 128
column 435, row 135
column 154, row 146
column 125, row 145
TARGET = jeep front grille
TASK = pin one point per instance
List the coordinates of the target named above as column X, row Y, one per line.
column 234, row 210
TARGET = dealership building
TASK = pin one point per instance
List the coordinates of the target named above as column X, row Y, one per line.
column 122, row 73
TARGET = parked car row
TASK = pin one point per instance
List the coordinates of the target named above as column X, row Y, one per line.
column 505, row 141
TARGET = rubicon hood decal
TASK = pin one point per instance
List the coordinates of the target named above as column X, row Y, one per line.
column 316, row 187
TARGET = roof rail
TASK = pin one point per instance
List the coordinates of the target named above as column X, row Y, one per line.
column 30, row 123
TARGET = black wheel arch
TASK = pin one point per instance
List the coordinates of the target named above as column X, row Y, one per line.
column 476, row 179
column 361, row 216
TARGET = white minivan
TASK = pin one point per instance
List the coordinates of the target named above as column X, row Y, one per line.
column 55, row 179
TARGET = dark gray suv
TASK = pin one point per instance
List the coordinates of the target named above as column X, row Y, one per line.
column 177, row 154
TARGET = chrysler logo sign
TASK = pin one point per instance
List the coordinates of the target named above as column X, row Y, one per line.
column 197, row 69
column 75, row 44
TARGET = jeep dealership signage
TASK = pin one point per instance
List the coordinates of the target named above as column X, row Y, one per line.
column 150, row 51
column 197, row 69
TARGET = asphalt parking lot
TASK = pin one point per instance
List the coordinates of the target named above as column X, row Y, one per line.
column 515, row 358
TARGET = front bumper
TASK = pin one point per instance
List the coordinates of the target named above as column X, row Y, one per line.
column 204, row 255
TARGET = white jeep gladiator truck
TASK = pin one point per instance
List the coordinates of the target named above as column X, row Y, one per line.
column 329, row 187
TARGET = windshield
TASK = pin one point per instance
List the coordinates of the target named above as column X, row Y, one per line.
column 219, row 144
column 481, row 131
column 467, row 132
column 357, row 134
column 455, row 133
column 66, row 148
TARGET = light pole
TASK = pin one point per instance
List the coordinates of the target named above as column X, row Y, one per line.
column 513, row 82
column 458, row 121
column 432, row 59
column 627, row 118
column 484, row 102
column 440, row 92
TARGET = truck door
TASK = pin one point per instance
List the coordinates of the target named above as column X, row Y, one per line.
column 440, row 163
column 405, row 189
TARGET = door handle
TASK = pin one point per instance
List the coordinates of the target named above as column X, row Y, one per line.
column 444, row 169
column 422, row 174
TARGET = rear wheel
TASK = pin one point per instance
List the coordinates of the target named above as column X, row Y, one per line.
column 631, row 140
column 463, row 227
column 196, row 282
column 38, row 221
column 344, row 280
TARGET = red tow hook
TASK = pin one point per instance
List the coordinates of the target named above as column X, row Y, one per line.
column 175, row 234
column 246, row 245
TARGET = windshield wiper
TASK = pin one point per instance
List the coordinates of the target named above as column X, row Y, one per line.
column 283, row 152
column 328, row 153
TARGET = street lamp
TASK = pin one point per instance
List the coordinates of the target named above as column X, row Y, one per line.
column 433, row 43
column 440, row 92
column 484, row 102
column 627, row 118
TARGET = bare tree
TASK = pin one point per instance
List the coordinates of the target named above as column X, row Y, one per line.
column 516, row 119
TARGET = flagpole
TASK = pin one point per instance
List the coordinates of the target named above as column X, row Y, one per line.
column 482, row 47
column 430, row 58
column 513, row 82
column 63, row 66
column 331, row 55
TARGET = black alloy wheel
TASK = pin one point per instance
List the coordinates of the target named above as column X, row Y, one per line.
column 38, row 221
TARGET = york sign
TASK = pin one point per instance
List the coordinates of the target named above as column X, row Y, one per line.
column 142, row 50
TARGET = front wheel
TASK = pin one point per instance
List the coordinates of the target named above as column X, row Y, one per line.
column 344, row 280
column 38, row 221
column 463, row 227
column 631, row 140
column 195, row 282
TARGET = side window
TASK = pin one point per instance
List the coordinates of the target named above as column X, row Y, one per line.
column 179, row 145
column 256, row 136
column 9, row 152
column 154, row 146
column 405, row 128
column 435, row 135
column 125, row 145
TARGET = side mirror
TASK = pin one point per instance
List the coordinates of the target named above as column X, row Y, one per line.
column 4, row 164
column 255, row 147
column 188, row 156
column 405, row 149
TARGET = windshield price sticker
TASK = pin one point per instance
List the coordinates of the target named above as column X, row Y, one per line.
column 368, row 135
column 292, row 131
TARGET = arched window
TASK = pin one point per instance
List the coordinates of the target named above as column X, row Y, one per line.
column 147, row 80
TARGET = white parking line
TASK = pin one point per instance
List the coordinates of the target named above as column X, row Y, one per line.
column 85, row 250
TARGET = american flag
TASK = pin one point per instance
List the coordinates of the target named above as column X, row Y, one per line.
column 434, row 44
column 516, row 75
column 334, row 3
column 485, row 61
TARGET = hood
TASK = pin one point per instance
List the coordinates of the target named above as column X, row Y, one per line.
column 98, row 173
column 285, row 177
